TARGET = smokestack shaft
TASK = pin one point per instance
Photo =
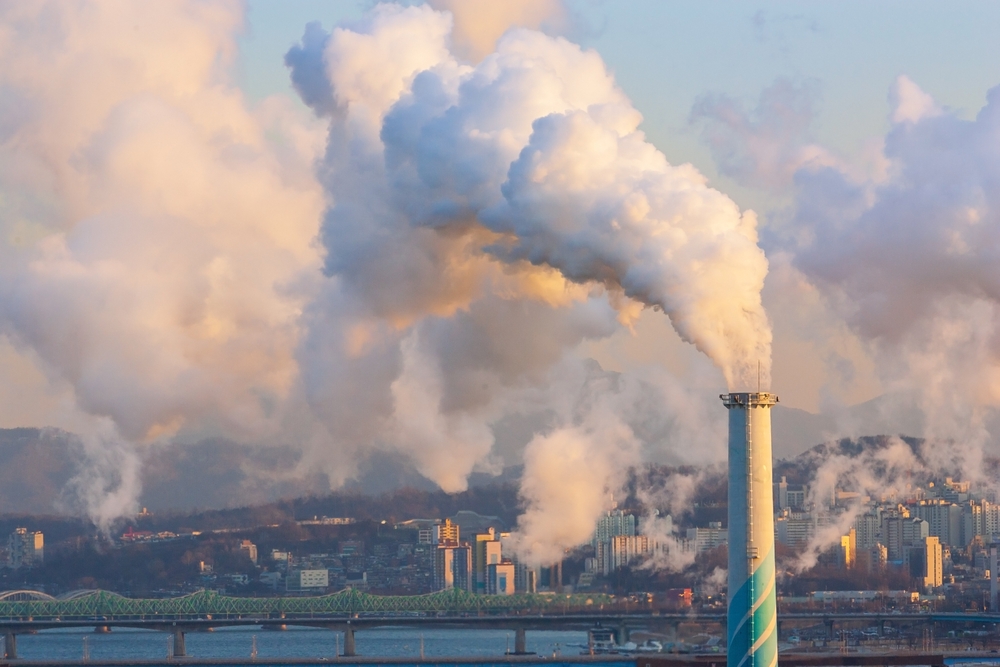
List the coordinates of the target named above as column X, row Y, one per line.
column 752, row 616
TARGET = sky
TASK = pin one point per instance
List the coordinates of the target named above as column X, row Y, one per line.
column 666, row 55
column 347, row 228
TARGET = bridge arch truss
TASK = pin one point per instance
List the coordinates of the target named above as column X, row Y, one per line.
column 99, row 604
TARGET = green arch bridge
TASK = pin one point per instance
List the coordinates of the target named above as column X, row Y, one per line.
column 99, row 604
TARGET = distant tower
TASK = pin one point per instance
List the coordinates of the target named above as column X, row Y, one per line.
column 752, row 617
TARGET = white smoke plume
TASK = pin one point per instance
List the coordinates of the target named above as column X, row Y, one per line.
column 107, row 483
column 715, row 583
column 666, row 505
column 476, row 223
column 155, row 228
column 885, row 469
column 607, row 427
column 478, row 24
column 899, row 253
column 909, row 261
column 532, row 158
column 518, row 185
column 884, row 473
column 766, row 146
column 569, row 476
column 897, row 250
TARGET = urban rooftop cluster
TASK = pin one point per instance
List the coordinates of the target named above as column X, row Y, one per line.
column 936, row 539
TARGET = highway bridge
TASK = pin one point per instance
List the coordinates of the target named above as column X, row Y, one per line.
column 350, row 610
column 347, row 610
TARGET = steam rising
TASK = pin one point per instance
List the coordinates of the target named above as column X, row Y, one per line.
column 469, row 203
column 532, row 158
column 900, row 249
column 154, row 228
column 519, row 185
column 575, row 469
column 910, row 258
column 483, row 201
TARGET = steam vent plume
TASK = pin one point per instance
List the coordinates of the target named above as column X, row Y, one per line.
column 752, row 616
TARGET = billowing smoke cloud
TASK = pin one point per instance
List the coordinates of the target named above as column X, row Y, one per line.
column 155, row 229
column 532, row 158
column 606, row 430
column 900, row 249
column 519, row 186
column 478, row 24
column 910, row 260
column 882, row 472
column 108, row 481
column 885, row 469
column 570, row 475
column 666, row 505
column 764, row 147
column 481, row 222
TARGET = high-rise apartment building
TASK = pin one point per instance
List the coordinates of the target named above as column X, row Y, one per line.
column 781, row 494
column 487, row 550
column 525, row 578
column 446, row 534
column 25, row 548
column 875, row 558
column 899, row 531
column 980, row 518
column 788, row 496
column 796, row 497
column 847, row 553
column 453, row 567
column 628, row 549
column 991, row 521
column 613, row 524
column 704, row 539
column 944, row 520
column 868, row 528
column 926, row 562
column 793, row 528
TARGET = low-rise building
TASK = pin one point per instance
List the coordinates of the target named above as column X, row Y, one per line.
column 250, row 549
column 307, row 580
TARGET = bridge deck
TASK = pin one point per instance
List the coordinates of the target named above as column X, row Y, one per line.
column 718, row 660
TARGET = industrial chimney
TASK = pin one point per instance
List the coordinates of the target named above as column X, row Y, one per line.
column 752, row 616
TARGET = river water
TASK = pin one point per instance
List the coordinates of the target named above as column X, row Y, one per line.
column 485, row 647
column 128, row 644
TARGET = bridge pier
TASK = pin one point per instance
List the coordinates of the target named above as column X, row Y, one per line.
column 622, row 633
column 520, row 642
column 10, row 646
column 349, row 650
column 180, row 649
column 829, row 628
